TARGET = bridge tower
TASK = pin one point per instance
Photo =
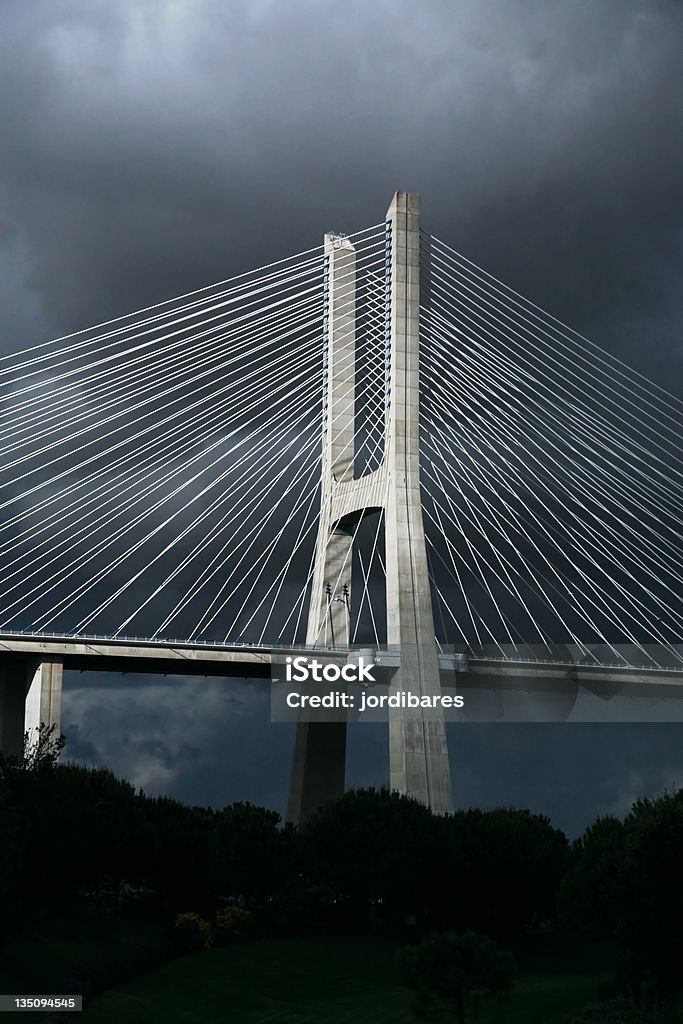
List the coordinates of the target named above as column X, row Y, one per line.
column 418, row 753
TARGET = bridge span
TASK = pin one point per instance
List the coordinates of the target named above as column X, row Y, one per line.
column 32, row 667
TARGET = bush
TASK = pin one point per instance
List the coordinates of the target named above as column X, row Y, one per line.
column 614, row 1011
column 452, row 973
column 193, row 932
column 303, row 910
column 233, row 923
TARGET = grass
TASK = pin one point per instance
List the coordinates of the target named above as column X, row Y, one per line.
column 39, row 960
column 323, row 981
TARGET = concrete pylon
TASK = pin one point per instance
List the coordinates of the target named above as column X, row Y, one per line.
column 319, row 766
column 418, row 754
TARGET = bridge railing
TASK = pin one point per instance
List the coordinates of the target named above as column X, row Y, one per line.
column 217, row 645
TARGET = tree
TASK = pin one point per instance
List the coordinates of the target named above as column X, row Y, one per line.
column 12, row 853
column 589, row 893
column 626, row 885
column 177, row 853
column 499, row 872
column 375, row 849
column 41, row 752
column 249, row 857
column 650, row 894
column 453, row 972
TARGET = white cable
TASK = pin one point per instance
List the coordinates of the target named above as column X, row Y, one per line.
column 199, row 582
column 142, row 455
column 227, row 519
column 178, row 343
column 316, row 249
column 203, row 624
column 569, row 368
column 602, row 352
column 508, row 396
column 168, row 387
column 552, row 541
column 236, row 408
column 577, row 480
column 170, row 496
column 64, row 473
column 482, row 344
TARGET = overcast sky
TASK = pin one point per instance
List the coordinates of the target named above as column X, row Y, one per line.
column 150, row 149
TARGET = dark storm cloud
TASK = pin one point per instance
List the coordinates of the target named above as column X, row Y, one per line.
column 204, row 741
column 151, row 149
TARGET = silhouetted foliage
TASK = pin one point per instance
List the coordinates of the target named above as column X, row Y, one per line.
column 232, row 924
column 374, row 847
column 41, row 752
column 248, row 856
column 501, row 871
column 193, row 932
column 616, row 1011
column 626, row 885
column 453, row 972
column 496, row 870
column 76, row 838
column 303, row 910
column 588, row 895
column 650, row 892
column 176, row 857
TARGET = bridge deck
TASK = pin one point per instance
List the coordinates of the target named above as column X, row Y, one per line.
column 163, row 657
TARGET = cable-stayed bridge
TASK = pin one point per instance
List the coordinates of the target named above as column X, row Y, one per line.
column 373, row 444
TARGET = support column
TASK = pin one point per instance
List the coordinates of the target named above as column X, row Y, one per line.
column 44, row 695
column 12, row 701
column 418, row 752
column 319, row 765
column 30, row 696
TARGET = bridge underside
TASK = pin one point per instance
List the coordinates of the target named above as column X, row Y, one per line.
column 31, row 674
column 31, row 671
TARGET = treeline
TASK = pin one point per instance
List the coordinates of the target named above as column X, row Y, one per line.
column 625, row 886
column 71, row 834
column 72, row 837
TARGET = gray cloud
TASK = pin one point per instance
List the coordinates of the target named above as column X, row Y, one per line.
column 148, row 154
column 210, row 741
column 161, row 733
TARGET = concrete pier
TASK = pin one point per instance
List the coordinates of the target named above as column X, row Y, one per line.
column 30, row 696
column 319, row 763
column 418, row 753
